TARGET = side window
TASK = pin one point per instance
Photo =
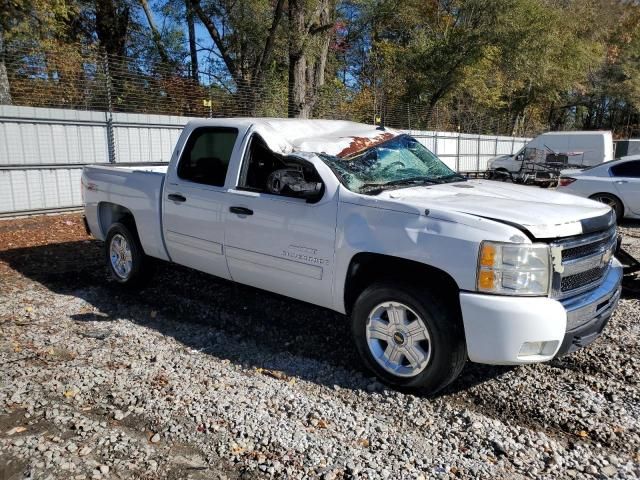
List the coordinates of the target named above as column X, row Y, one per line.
column 206, row 156
column 259, row 162
column 626, row 169
column 268, row 172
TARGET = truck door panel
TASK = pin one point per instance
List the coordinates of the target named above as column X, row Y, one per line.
column 195, row 201
column 286, row 245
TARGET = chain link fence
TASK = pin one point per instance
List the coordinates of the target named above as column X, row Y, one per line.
column 86, row 79
column 100, row 110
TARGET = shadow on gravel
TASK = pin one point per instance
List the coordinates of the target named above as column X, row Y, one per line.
column 248, row 326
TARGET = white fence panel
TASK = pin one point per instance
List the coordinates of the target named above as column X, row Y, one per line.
column 43, row 136
column 42, row 151
column 464, row 152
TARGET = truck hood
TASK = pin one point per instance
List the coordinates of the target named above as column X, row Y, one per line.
column 543, row 213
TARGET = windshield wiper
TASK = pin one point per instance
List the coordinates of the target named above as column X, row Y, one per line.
column 454, row 177
column 380, row 187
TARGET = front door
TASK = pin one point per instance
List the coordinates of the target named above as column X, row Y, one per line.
column 194, row 203
column 277, row 242
column 626, row 178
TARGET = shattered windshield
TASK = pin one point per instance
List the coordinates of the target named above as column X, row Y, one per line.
column 401, row 161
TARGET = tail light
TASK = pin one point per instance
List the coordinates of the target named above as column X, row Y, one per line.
column 564, row 181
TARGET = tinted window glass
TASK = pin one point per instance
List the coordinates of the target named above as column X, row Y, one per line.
column 627, row 169
column 206, row 156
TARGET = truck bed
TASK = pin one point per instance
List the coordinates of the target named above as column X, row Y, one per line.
column 135, row 188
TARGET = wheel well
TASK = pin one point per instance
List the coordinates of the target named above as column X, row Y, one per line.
column 368, row 268
column 613, row 195
column 110, row 213
column 606, row 193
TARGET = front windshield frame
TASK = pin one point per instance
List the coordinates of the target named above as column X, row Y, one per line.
column 364, row 179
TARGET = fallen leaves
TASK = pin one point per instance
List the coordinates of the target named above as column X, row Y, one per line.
column 237, row 449
column 15, row 430
column 363, row 442
column 70, row 393
column 277, row 374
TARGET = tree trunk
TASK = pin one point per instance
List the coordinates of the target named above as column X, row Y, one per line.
column 315, row 75
column 5, row 92
column 155, row 33
column 306, row 75
column 297, row 61
column 192, row 41
column 112, row 26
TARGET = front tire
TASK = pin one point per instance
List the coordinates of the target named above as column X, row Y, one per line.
column 408, row 337
column 125, row 258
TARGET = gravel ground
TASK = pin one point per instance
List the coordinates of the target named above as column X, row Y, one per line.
column 195, row 377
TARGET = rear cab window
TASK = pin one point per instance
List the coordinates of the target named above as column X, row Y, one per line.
column 206, row 156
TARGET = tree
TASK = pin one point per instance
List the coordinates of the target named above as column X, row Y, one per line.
column 245, row 42
column 157, row 38
column 112, row 24
column 5, row 92
column 191, row 29
column 310, row 29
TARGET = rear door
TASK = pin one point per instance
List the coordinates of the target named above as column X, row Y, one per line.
column 195, row 199
column 626, row 179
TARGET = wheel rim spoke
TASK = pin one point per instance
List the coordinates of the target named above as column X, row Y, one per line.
column 392, row 354
column 397, row 315
column 378, row 329
column 417, row 331
column 416, row 355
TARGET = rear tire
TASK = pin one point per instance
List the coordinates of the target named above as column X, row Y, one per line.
column 611, row 200
column 409, row 337
column 126, row 261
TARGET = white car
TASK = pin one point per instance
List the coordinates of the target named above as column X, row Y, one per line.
column 616, row 184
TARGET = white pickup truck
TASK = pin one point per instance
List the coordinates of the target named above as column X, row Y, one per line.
column 431, row 268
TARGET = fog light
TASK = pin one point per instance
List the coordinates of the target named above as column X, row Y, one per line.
column 530, row 348
column 538, row 348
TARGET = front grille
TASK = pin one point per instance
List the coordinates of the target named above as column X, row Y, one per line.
column 584, row 250
column 582, row 279
column 584, row 260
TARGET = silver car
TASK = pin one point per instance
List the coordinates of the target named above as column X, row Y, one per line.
column 615, row 183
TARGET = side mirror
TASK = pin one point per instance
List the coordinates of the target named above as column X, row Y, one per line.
column 520, row 157
column 290, row 181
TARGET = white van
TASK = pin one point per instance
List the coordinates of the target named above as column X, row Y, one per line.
column 581, row 148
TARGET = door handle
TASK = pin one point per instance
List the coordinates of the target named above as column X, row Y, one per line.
column 176, row 197
column 619, row 182
column 241, row 210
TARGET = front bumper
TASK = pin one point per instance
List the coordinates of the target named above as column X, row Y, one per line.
column 497, row 327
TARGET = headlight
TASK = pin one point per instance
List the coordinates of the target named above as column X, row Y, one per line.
column 513, row 269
